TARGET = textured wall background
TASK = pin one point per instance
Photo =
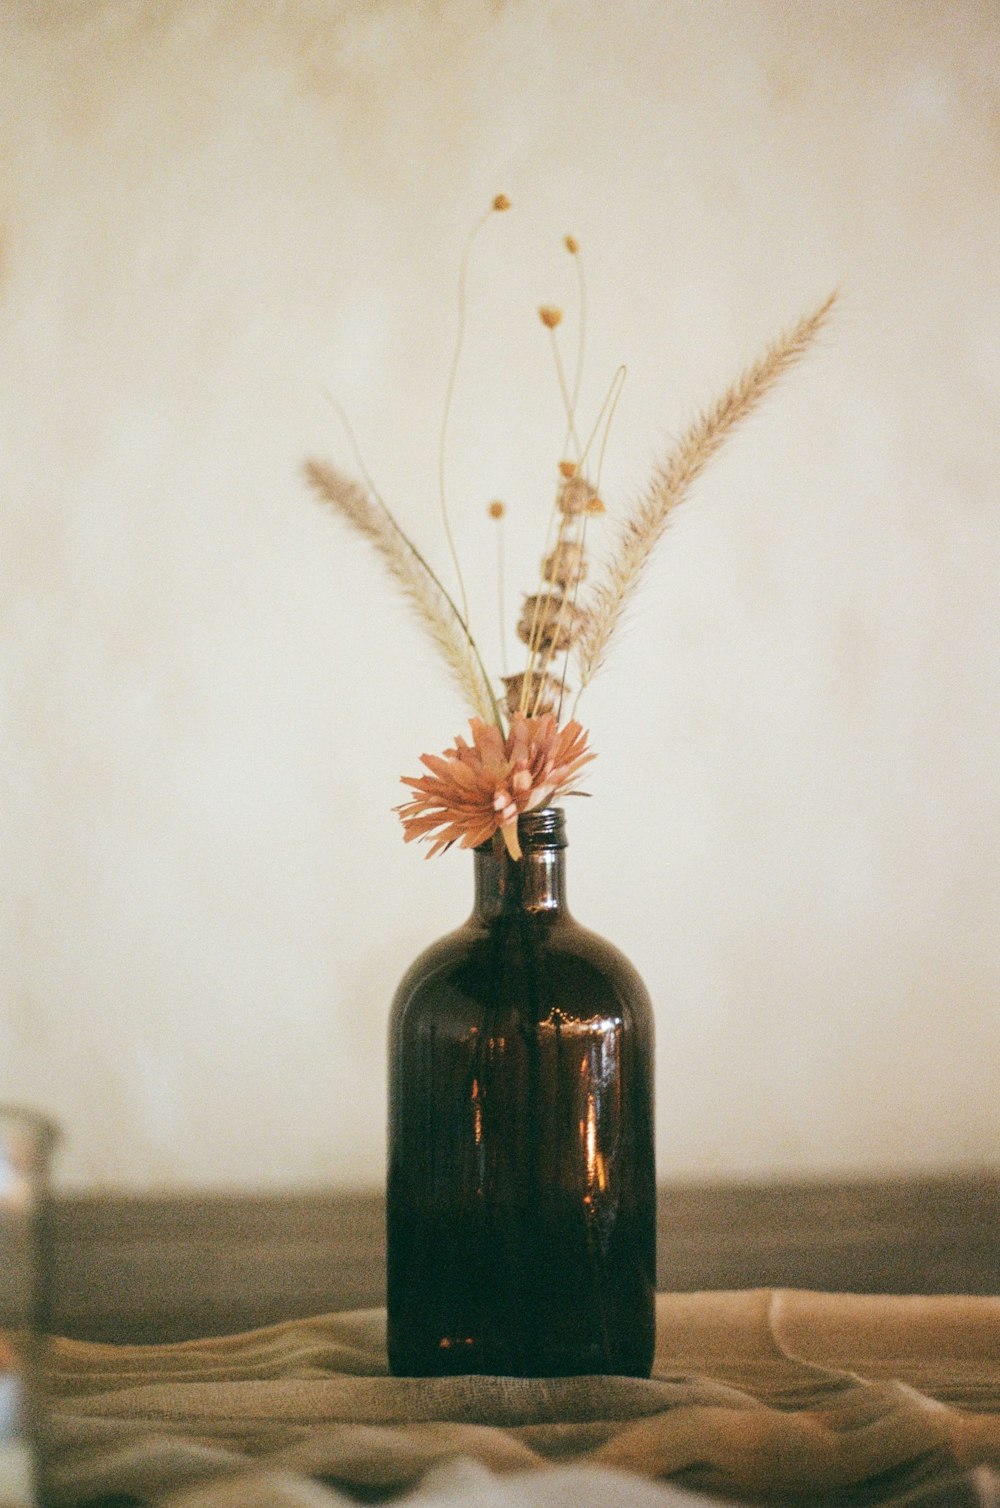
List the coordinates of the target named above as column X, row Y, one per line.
column 209, row 215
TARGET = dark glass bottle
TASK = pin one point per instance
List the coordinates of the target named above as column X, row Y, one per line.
column 521, row 1182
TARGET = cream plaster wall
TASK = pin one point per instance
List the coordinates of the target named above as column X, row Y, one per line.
column 211, row 215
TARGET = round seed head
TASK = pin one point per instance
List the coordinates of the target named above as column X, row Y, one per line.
column 542, row 695
column 566, row 565
column 550, row 622
column 500, row 203
column 496, row 509
column 574, row 495
column 549, row 315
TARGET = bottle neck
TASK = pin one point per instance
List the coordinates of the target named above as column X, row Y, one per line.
column 535, row 883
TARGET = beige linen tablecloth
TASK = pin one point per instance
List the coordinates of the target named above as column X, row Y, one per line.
column 776, row 1396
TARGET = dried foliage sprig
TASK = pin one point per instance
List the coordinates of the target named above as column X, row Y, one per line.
column 476, row 791
column 672, row 482
column 434, row 606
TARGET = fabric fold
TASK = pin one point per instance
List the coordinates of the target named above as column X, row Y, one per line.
column 758, row 1396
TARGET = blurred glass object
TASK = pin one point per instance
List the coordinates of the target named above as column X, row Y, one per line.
column 26, row 1143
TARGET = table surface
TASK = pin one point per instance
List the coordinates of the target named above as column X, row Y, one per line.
column 146, row 1269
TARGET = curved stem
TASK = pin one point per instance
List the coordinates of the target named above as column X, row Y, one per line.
column 449, row 395
column 408, row 542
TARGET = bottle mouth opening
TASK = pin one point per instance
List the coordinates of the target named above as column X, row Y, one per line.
column 540, row 829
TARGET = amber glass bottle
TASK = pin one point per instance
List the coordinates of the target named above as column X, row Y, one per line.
column 521, row 1183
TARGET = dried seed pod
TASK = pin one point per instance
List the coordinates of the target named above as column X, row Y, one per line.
column 542, row 696
column 574, row 494
column 550, row 623
column 566, row 565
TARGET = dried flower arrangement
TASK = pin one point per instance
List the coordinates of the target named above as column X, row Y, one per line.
column 520, row 757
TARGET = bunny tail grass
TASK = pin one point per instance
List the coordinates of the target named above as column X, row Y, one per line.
column 672, row 482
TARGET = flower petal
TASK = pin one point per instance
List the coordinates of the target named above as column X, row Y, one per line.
column 509, row 835
column 473, row 790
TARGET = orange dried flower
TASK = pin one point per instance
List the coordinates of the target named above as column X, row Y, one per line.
column 478, row 789
column 496, row 509
column 549, row 315
column 571, row 244
column 501, row 202
column 567, row 469
column 594, row 505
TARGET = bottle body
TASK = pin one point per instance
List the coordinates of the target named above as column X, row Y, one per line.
column 521, row 1185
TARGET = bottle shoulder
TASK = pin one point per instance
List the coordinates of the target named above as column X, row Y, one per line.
column 603, row 956
column 522, row 956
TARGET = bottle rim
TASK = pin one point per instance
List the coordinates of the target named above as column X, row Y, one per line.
column 543, row 828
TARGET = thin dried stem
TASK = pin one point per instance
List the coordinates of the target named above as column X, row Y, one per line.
column 610, row 404
column 496, row 511
column 434, row 605
column 551, row 318
column 581, row 339
column 605, row 417
column 608, row 407
column 569, row 401
column 356, row 451
column 673, row 480
column 500, row 203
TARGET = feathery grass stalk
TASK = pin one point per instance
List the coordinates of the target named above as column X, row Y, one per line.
column 437, row 610
column 672, row 481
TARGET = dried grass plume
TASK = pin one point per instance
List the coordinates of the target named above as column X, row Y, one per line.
column 672, row 482
column 434, row 607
